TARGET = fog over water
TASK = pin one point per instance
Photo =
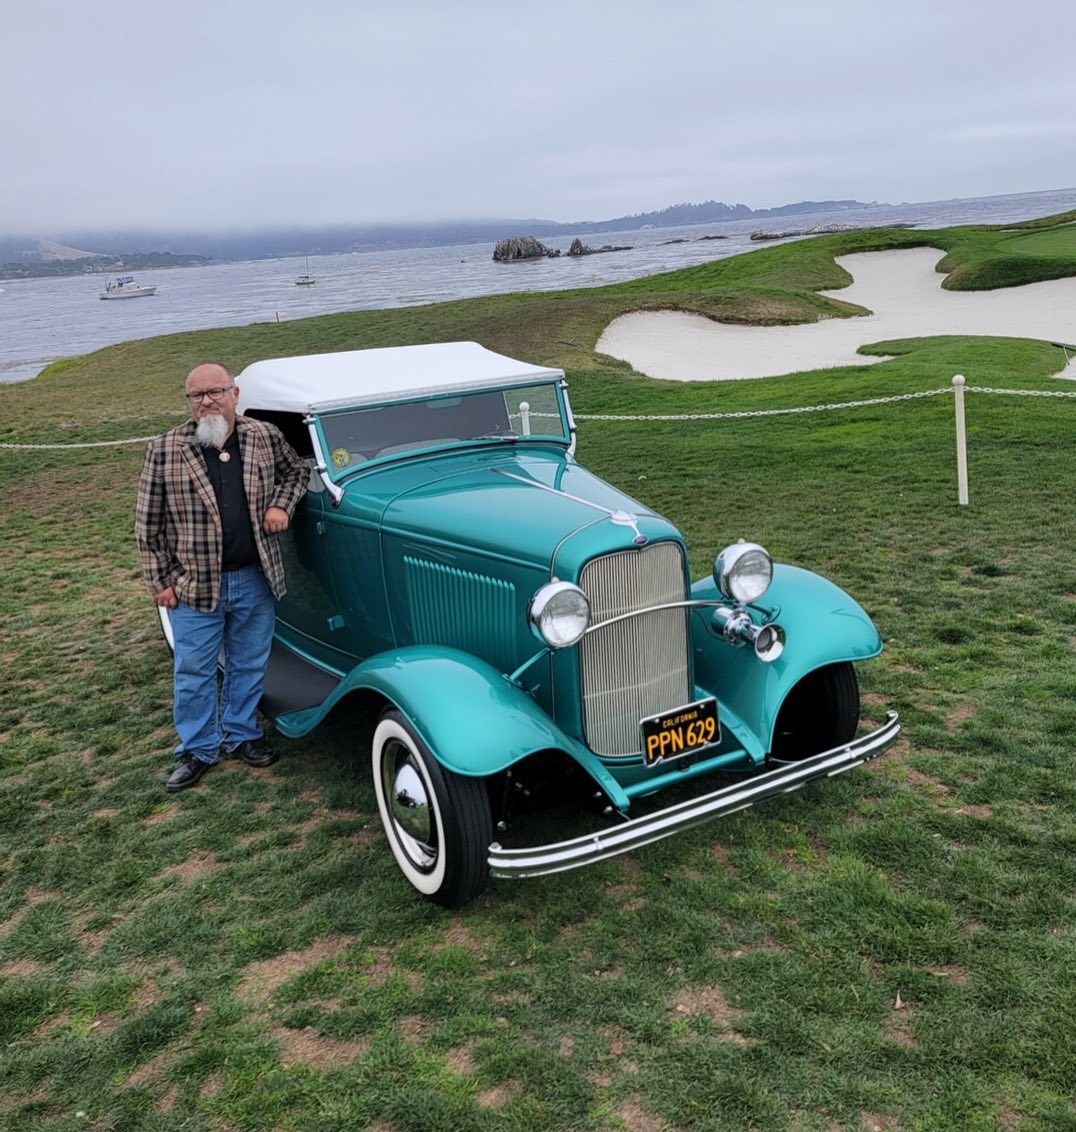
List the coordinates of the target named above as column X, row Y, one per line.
column 42, row 320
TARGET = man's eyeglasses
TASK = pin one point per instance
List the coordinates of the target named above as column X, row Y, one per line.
column 214, row 394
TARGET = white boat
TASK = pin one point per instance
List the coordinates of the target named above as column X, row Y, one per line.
column 306, row 279
column 124, row 287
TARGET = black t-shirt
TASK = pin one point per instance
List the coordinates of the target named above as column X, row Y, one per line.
column 225, row 469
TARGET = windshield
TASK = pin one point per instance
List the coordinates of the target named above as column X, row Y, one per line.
column 359, row 435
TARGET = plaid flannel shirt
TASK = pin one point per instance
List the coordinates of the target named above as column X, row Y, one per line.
column 177, row 523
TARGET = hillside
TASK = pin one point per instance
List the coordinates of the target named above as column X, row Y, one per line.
column 309, row 240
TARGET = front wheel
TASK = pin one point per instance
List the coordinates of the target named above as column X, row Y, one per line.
column 438, row 823
column 821, row 712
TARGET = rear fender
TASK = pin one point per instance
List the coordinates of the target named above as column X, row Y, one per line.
column 471, row 718
column 824, row 625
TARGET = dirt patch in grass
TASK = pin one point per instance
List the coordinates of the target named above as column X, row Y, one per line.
column 412, row 1029
column 261, row 979
column 567, row 1045
column 193, row 868
column 711, row 1003
column 94, row 941
column 150, row 1072
column 302, row 830
column 636, row 1118
column 959, row 715
column 21, row 968
column 898, row 1027
column 919, row 780
column 956, row 975
column 460, row 1059
column 1008, row 1119
column 627, row 894
column 460, row 935
column 51, row 1025
column 975, row 811
column 513, row 998
column 498, row 1096
column 308, row 1047
column 876, row 1122
column 32, row 896
column 166, row 813
column 382, row 968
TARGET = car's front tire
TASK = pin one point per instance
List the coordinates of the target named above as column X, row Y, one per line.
column 438, row 823
column 821, row 712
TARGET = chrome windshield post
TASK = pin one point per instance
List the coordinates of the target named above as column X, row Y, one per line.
column 571, row 419
column 320, row 466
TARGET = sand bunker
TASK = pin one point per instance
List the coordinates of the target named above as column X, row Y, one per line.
column 900, row 287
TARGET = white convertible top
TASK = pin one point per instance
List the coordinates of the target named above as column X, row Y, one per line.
column 364, row 377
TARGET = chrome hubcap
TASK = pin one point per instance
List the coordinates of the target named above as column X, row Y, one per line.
column 409, row 806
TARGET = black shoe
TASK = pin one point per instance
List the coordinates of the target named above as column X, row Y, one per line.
column 254, row 752
column 187, row 773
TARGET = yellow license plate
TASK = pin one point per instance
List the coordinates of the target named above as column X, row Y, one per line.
column 681, row 732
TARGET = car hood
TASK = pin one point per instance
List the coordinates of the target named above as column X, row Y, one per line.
column 522, row 504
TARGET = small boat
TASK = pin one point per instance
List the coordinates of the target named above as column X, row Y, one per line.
column 306, row 279
column 124, row 287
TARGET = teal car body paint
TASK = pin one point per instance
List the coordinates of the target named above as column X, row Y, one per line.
column 508, row 630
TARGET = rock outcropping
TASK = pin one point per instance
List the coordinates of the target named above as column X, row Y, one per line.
column 522, row 247
column 821, row 230
column 579, row 248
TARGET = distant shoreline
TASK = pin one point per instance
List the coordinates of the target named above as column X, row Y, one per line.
column 98, row 265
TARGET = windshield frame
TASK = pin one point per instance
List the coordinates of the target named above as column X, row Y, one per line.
column 341, row 462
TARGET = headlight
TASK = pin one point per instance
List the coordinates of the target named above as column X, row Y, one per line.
column 743, row 572
column 559, row 613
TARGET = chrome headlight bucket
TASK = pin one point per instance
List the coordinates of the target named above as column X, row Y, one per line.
column 559, row 614
column 743, row 572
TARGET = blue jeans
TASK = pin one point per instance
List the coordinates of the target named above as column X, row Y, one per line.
column 240, row 632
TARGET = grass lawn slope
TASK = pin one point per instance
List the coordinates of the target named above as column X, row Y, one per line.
column 890, row 950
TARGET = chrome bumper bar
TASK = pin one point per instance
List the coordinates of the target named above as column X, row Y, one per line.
column 637, row 832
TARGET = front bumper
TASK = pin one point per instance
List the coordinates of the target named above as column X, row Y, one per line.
column 636, row 832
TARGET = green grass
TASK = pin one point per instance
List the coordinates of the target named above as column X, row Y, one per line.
column 1053, row 242
column 246, row 956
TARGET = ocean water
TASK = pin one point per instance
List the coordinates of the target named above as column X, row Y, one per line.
column 42, row 320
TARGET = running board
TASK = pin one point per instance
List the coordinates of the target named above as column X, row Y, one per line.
column 636, row 832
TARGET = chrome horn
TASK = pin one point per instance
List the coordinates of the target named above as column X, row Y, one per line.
column 736, row 626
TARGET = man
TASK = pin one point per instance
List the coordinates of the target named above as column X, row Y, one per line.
column 213, row 497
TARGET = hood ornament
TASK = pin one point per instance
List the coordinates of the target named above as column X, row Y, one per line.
column 627, row 519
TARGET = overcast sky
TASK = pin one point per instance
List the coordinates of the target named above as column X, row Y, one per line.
column 231, row 114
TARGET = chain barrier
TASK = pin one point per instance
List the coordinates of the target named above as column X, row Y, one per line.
column 760, row 412
column 798, row 411
column 87, row 444
column 1020, row 392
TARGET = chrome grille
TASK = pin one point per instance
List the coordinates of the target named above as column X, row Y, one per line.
column 637, row 667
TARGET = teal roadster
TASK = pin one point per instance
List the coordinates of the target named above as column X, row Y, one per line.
column 514, row 629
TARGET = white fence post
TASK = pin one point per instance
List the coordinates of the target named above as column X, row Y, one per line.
column 961, row 443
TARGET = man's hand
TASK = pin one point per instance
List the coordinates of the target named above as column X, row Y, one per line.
column 167, row 598
column 275, row 520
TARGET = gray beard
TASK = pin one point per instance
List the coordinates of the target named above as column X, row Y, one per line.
column 212, row 432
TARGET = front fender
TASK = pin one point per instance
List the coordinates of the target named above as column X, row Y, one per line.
column 473, row 720
column 824, row 626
